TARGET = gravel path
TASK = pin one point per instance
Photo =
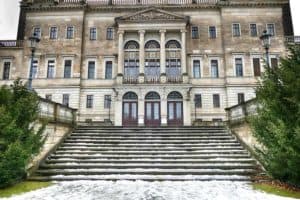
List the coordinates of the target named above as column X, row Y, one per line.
column 141, row 190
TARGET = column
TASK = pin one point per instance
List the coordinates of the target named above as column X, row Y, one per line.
column 183, row 57
column 187, row 121
column 118, row 110
column 142, row 56
column 162, row 56
column 120, row 57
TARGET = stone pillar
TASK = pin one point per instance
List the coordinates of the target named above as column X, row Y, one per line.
column 164, row 112
column 141, row 112
column 142, row 56
column 118, row 112
column 183, row 56
column 163, row 78
column 120, row 57
column 187, row 121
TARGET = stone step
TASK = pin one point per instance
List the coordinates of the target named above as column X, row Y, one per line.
column 171, row 166
column 151, row 128
column 100, row 149
column 118, row 161
column 148, row 138
column 188, row 134
column 183, row 145
column 138, row 171
column 132, row 177
column 149, row 142
column 153, row 132
column 135, row 156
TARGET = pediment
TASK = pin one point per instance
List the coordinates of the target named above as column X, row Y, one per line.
column 150, row 15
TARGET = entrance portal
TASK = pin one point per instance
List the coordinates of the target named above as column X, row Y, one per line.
column 175, row 109
column 152, row 109
column 130, row 109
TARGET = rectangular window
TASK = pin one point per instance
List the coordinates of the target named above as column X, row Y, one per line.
column 214, row 68
column 37, row 32
column 93, row 33
column 236, row 30
column 53, row 33
column 35, row 64
column 274, row 63
column 271, row 29
column 66, row 98
column 198, row 101
column 195, row 32
column 241, row 98
column 256, row 66
column 68, row 67
column 212, row 32
column 51, row 68
column 107, row 101
column 91, row 70
column 89, row 101
column 48, row 97
column 196, row 69
column 6, row 70
column 216, row 100
column 110, row 33
column 253, row 30
column 70, row 32
column 108, row 70
column 239, row 67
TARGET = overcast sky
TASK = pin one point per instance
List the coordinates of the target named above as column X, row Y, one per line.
column 9, row 14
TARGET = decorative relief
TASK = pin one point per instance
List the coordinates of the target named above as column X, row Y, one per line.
column 151, row 15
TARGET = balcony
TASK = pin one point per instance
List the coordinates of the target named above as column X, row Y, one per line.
column 292, row 39
column 129, row 2
column 130, row 80
column 11, row 43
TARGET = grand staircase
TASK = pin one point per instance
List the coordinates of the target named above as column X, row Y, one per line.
column 114, row 153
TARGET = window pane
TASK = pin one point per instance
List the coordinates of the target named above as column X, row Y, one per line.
column 195, row 32
column 216, row 100
column 107, row 101
column 37, row 32
column 178, row 110
column 271, row 29
column 51, row 65
column 126, row 110
column 148, row 110
column 67, row 71
column 133, row 111
column 239, row 66
column 236, row 30
column 241, row 98
column 6, row 70
column 198, row 101
column 108, row 70
column 70, row 32
column 156, row 111
column 65, row 99
column 35, row 69
column 171, row 110
column 91, row 70
column 53, row 32
column 253, row 30
column 212, row 32
column 196, row 68
column 214, row 69
column 256, row 66
column 109, row 33
column 93, row 33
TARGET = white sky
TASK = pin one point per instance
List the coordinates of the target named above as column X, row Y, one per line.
column 9, row 15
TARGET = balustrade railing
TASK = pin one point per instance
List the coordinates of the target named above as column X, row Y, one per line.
column 174, row 79
column 130, row 2
column 55, row 112
column 152, row 79
column 242, row 111
column 11, row 43
column 130, row 80
column 292, row 39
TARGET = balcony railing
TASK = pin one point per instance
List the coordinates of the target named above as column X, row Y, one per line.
column 174, row 79
column 11, row 43
column 131, row 2
column 130, row 80
column 152, row 79
column 292, row 39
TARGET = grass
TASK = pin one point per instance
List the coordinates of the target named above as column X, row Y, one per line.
column 276, row 190
column 23, row 187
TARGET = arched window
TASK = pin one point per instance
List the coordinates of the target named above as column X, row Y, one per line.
column 152, row 96
column 174, row 96
column 152, row 61
column 130, row 96
column 173, row 61
column 131, row 61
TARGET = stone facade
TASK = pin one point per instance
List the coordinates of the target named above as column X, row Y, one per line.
column 167, row 24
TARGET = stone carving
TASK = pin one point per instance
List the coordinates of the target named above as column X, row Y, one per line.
column 151, row 15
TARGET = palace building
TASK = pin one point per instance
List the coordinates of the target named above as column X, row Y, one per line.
column 146, row 62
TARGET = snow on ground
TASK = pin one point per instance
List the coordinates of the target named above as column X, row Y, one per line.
column 141, row 190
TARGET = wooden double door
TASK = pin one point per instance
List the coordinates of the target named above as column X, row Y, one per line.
column 130, row 113
column 152, row 113
column 175, row 113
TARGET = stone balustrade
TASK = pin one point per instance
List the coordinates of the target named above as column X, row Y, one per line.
column 11, row 43
column 241, row 111
column 292, row 39
column 55, row 112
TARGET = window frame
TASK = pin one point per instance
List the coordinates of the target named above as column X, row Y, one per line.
column 37, row 68
column 250, row 30
column 198, row 104
column 105, row 69
column 239, row 99
column 107, row 101
column 40, row 33
column 210, row 67
column 200, row 68
column 260, row 65
column 112, row 33
column 47, row 66
column 274, row 29
column 218, row 103
column 209, row 33
column 64, row 98
column 243, row 66
column 50, row 33
column 197, row 36
column 9, row 71
column 95, row 34
column 89, row 101
column 87, row 71
column 71, row 67
column 73, row 32
column 232, row 30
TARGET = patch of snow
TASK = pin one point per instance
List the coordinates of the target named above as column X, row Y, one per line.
column 142, row 190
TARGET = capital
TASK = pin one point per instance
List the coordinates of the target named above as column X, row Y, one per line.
column 162, row 31
column 121, row 32
column 183, row 31
column 141, row 32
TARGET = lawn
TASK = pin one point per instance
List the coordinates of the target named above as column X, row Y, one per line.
column 276, row 190
column 23, row 187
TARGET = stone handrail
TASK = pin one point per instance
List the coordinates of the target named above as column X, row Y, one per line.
column 241, row 111
column 11, row 43
column 292, row 39
column 56, row 112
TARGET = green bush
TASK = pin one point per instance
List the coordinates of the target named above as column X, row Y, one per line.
column 18, row 141
column 277, row 125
